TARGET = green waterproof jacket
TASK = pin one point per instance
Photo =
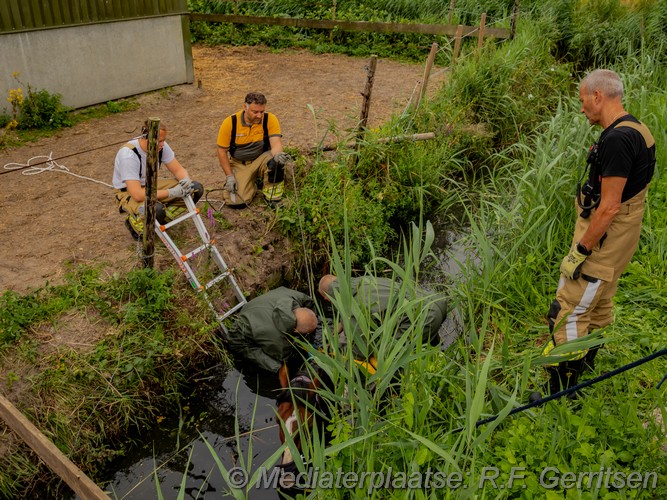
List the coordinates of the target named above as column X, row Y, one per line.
column 263, row 332
column 378, row 294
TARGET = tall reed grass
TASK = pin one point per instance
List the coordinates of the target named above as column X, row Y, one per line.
column 513, row 180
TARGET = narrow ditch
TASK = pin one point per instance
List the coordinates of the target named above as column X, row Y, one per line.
column 175, row 449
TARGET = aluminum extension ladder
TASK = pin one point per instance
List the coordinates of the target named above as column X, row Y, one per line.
column 208, row 245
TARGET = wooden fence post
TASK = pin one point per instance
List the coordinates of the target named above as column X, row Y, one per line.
column 148, row 256
column 452, row 3
column 515, row 14
column 427, row 73
column 482, row 27
column 457, row 43
column 366, row 105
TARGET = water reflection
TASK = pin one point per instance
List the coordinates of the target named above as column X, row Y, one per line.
column 169, row 454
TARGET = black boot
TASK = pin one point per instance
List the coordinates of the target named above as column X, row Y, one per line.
column 589, row 359
column 561, row 377
column 564, row 376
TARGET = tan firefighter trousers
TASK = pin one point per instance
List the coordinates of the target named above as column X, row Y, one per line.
column 586, row 303
column 246, row 174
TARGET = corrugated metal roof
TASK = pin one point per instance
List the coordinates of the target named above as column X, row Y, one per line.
column 26, row 15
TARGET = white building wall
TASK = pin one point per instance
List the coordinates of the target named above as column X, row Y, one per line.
column 96, row 63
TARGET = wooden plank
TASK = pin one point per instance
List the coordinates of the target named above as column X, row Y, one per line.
column 66, row 13
column 328, row 24
column 452, row 4
column 36, row 12
column 49, row 452
column 94, row 10
column 85, row 11
column 17, row 21
column 77, row 18
column 116, row 9
column 424, row 136
column 55, row 11
column 47, row 16
column 5, row 16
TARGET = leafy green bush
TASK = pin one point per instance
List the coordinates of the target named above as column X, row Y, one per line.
column 328, row 194
column 41, row 109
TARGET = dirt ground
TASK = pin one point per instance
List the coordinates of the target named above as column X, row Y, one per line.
column 51, row 219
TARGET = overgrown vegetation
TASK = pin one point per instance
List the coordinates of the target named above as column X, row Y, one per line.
column 145, row 336
column 509, row 141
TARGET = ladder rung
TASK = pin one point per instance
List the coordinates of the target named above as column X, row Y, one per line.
column 232, row 310
column 197, row 250
column 185, row 216
column 218, row 278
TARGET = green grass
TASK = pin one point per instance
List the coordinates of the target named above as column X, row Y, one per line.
column 154, row 336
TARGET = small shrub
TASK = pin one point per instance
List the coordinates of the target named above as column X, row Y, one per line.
column 36, row 110
column 42, row 109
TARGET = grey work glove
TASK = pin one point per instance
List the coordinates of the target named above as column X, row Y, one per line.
column 231, row 185
column 187, row 185
column 571, row 265
column 177, row 191
column 281, row 158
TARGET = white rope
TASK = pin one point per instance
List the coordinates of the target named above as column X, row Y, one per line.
column 50, row 165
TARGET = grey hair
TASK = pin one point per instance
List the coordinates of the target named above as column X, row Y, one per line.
column 604, row 80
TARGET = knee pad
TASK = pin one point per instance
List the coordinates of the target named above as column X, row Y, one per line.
column 160, row 213
column 197, row 191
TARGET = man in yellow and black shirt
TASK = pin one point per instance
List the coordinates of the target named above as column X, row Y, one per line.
column 250, row 146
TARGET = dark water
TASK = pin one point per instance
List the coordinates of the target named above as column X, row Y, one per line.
column 210, row 416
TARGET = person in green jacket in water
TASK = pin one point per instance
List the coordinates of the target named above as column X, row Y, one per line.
column 377, row 294
column 267, row 326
